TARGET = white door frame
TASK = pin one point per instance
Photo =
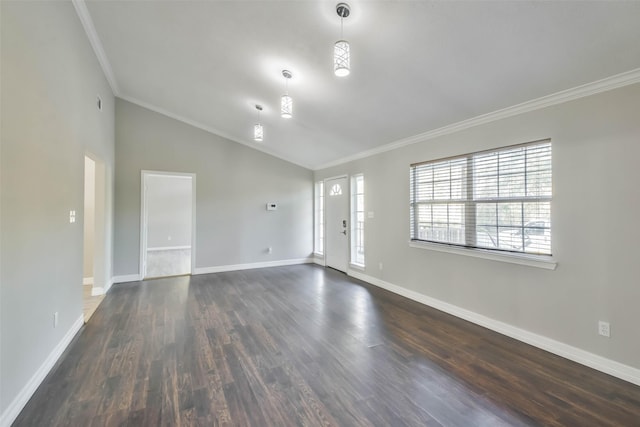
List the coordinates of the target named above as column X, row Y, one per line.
column 143, row 217
column 348, row 189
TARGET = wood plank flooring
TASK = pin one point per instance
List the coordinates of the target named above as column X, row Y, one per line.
column 304, row 345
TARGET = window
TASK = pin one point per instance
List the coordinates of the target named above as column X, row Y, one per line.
column 357, row 220
column 497, row 199
column 318, row 244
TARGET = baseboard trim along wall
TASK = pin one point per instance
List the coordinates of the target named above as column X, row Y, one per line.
column 14, row 408
column 168, row 248
column 97, row 291
column 575, row 354
column 249, row 266
column 319, row 259
column 126, row 278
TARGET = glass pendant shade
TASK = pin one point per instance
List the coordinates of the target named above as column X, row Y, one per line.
column 258, row 132
column 286, row 107
column 341, row 58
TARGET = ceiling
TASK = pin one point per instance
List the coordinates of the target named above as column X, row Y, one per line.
column 416, row 66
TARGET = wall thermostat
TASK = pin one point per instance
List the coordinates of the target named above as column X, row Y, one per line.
column 272, row 206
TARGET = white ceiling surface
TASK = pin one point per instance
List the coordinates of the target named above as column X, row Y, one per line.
column 416, row 66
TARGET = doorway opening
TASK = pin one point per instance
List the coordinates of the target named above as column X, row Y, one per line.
column 94, row 278
column 168, row 224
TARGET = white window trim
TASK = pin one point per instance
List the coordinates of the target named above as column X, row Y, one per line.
column 317, row 227
column 538, row 261
column 353, row 220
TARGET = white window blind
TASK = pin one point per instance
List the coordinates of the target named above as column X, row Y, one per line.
column 497, row 199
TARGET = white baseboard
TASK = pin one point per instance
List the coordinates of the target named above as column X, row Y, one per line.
column 168, row 248
column 319, row 259
column 14, row 408
column 97, row 291
column 87, row 280
column 126, row 278
column 235, row 267
column 575, row 354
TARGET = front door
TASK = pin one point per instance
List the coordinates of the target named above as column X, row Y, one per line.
column 336, row 223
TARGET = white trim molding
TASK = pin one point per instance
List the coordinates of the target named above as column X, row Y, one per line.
column 209, row 129
column 13, row 410
column 168, row 248
column 96, row 44
column 319, row 259
column 95, row 291
column 87, row 280
column 603, row 85
column 127, row 278
column 144, row 249
column 539, row 261
column 249, row 266
column 599, row 363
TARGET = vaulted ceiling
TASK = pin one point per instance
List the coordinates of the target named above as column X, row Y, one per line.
column 416, row 65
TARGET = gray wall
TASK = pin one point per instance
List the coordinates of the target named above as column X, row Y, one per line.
column 50, row 80
column 595, row 212
column 233, row 185
column 168, row 211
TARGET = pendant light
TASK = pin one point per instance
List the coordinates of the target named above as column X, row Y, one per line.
column 341, row 50
column 286, row 103
column 258, row 131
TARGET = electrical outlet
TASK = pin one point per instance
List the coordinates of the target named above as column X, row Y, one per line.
column 380, row 266
column 72, row 217
column 55, row 319
column 604, row 329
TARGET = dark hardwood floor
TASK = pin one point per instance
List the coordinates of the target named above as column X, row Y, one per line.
column 304, row 345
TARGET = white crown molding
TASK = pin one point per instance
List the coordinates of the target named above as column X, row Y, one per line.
column 599, row 363
column 96, row 44
column 13, row 410
column 210, row 129
column 603, row 85
column 92, row 35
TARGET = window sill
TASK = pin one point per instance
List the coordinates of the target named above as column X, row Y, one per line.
column 522, row 259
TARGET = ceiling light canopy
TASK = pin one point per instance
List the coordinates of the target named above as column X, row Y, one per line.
column 258, row 131
column 286, row 103
column 341, row 49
